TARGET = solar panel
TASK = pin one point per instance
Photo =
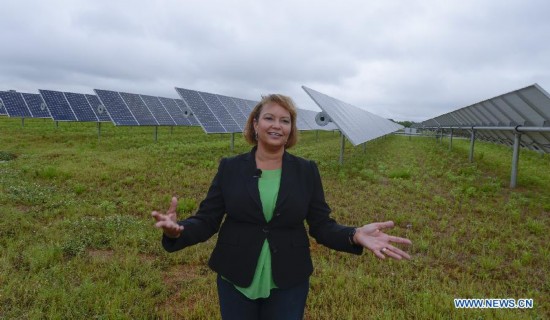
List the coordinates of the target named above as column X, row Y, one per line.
column 175, row 112
column 98, row 108
column 243, row 106
column 158, row 110
column 138, row 108
column 528, row 107
column 36, row 105
column 218, row 109
column 116, row 107
column 234, row 110
column 191, row 118
column 308, row 116
column 14, row 104
column 250, row 104
column 58, row 105
column 356, row 124
column 80, row 106
column 300, row 122
column 208, row 121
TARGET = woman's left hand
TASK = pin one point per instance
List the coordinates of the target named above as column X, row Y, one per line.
column 373, row 238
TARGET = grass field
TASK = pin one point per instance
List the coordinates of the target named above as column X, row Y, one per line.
column 77, row 240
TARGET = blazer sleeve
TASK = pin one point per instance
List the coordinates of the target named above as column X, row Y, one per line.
column 206, row 222
column 322, row 227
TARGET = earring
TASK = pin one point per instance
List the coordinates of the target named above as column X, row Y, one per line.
column 256, row 135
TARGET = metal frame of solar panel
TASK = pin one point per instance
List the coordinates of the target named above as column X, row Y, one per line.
column 358, row 125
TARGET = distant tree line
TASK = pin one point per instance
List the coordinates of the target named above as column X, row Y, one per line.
column 406, row 124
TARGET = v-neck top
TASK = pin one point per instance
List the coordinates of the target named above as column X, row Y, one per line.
column 262, row 283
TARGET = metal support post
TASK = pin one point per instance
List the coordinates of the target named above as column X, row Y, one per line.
column 472, row 142
column 232, row 141
column 342, row 142
column 515, row 160
column 156, row 133
column 451, row 140
column 99, row 131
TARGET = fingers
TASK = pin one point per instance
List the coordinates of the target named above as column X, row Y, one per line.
column 173, row 205
column 169, row 226
column 384, row 225
column 396, row 253
column 399, row 240
column 157, row 216
column 379, row 254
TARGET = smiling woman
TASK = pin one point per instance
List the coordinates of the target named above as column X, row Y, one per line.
column 262, row 255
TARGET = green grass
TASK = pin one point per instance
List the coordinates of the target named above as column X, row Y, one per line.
column 78, row 242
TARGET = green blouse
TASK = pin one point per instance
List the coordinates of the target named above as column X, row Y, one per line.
column 262, row 283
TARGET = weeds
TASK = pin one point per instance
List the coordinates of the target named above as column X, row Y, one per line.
column 78, row 241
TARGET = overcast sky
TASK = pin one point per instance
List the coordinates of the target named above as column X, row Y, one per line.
column 405, row 60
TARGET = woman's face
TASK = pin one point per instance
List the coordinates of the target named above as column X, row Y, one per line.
column 273, row 126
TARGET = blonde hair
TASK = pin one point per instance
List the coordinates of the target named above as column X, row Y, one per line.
column 283, row 101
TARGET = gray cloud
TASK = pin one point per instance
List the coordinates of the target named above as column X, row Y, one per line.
column 404, row 60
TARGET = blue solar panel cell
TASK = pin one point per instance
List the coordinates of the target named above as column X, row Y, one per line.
column 158, row 110
column 200, row 109
column 14, row 104
column 117, row 108
column 81, row 107
column 36, row 105
column 234, row 110
column 99, row 109
column 59, row 106
column 143, row 115
column 174, row 110
column 221, row 113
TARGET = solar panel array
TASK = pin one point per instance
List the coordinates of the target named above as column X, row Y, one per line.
column 356, row 124
column 222, row 114
column 528, row 108
column 131, row 109
column 14, row 104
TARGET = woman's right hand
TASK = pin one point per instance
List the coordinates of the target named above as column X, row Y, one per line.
column 168, row 222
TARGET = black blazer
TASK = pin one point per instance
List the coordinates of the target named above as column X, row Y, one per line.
column 234, row 194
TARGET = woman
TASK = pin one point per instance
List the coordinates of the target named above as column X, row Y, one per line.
column 262, row 255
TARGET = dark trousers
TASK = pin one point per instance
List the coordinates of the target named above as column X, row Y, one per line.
column 282, row 304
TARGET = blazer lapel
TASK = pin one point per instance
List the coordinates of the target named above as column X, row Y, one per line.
column 287, row 179
column 251, row 177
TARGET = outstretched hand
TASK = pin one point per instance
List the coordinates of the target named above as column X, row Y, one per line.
column 168, row 222
column 373, row 238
